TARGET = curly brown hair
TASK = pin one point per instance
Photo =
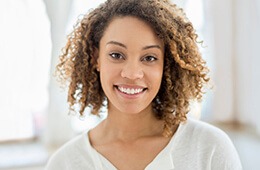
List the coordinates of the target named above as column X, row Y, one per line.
column 184, row 74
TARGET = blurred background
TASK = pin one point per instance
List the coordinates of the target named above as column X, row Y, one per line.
column 34, row 118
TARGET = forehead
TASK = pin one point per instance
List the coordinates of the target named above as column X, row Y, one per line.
column 130, row 29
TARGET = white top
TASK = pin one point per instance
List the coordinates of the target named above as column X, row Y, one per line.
column 195, row 146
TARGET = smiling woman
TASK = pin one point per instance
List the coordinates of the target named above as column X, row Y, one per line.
column 142, row 58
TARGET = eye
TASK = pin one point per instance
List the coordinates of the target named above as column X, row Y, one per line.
column 116, row 56
column 149, row 58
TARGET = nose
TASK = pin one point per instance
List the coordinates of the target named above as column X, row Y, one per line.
column 132, row 70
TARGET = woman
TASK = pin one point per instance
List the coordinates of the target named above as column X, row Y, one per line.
column 142, row 58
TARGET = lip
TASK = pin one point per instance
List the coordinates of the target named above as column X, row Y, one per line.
column 130, row 96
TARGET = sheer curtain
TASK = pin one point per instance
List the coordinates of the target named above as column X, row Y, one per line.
column 233, row 28
column 25, row 47
column 219, row 35
column 247, row 75
column 61, row 126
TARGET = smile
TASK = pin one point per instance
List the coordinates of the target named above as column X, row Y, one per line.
column 130, row 91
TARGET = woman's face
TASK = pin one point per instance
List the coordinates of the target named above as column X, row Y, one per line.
column 131, row 65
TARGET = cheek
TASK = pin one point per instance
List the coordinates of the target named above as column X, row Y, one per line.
column 156, row 75
column 108, row 72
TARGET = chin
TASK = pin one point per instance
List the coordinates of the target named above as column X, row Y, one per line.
column 133, row 110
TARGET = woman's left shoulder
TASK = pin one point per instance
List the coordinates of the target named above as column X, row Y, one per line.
column 206, row 130
column 212, row 142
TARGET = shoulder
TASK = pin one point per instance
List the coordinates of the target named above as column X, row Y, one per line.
column 204, row 131
column 73, row 154
column 205, row 134
column 209, row 144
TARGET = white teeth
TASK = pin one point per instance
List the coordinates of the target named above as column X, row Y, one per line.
column 130, row 91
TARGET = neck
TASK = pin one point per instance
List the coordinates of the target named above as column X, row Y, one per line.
column 129, row 127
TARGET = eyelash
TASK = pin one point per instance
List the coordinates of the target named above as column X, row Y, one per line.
column 119, row 56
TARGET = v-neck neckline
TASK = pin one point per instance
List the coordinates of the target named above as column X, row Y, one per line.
column 163, row 156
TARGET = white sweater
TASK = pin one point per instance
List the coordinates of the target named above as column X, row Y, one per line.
column 195, row 146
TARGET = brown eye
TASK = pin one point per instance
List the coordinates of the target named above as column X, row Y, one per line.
column 149, row 59
column 116, row 56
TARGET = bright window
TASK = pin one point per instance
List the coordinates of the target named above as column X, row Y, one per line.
column 25, row 47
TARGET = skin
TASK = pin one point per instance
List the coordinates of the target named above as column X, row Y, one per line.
column 130, row 56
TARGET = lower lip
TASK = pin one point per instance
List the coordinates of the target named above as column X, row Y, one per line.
column 129, row 96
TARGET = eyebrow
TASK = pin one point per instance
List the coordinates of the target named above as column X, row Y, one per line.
column 151, row 46
column 124, row 46
column 117, row 43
